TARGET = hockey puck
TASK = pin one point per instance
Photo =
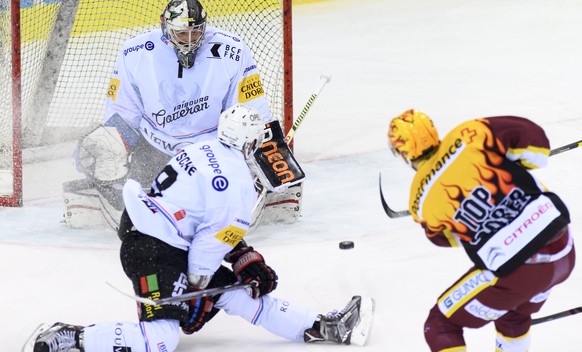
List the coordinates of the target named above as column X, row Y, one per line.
column 346, row 245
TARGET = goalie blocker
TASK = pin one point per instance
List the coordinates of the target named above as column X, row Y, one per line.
column 281, row 176
column 277, row 166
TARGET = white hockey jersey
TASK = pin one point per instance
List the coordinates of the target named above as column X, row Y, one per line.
column 172, row 106
column 201, row 202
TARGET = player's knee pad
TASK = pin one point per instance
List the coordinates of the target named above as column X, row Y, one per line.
column 512, row 344
column 441, row 334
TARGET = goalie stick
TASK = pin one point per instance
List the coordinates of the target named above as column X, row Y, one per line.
column 186, row 296
column 398, row 214
column 559, row 315
column 323, row 80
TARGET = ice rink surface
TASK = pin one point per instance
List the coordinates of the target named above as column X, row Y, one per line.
column 452, row 59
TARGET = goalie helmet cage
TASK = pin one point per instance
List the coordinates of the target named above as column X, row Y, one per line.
column 59, row 55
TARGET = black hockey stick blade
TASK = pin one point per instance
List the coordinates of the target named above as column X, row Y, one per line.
column 559, row 315
column 565, row 148
column 391, row 213
column 186, row 296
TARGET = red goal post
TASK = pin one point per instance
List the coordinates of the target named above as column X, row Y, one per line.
column 59, row 54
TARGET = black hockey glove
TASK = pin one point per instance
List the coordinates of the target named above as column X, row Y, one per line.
column 201, row 311
column 249, row 266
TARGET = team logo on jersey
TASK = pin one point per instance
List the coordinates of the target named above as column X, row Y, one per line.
column 250, row 88
column 231, row 235
column 113, row 88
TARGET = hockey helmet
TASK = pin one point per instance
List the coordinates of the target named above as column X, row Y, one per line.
column 242, row 128
column 412, row 134
column 183, row 23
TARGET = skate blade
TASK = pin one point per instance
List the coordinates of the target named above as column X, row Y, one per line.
column 361, row 332
column 29, row 344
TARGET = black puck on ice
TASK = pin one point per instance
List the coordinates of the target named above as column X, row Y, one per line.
column 346, row 245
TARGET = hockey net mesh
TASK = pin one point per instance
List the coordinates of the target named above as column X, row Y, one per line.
column 69, row 47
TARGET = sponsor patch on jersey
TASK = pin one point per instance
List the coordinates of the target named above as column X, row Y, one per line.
column 250, row 88
column 113, row 88
column 481, row 311
column 231, row 235
column 467, row 288
column 149, row 283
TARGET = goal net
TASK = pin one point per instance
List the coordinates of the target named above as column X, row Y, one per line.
column 67, row 52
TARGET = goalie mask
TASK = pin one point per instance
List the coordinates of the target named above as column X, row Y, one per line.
column 412, row 134
column 242, row 128
column 183, row 23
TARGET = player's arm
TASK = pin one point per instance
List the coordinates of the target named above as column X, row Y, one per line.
column 521, row 139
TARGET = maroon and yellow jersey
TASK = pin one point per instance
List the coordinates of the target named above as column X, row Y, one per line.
column 476, row 189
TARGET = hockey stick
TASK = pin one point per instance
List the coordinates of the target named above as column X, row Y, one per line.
column 391, row 213
column 398, row 214
column 565, row 148
column 324, row 79
column 559, row 315
column 186, row 296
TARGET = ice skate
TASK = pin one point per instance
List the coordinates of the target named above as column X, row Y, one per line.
column 59, row 337
column 351, row 325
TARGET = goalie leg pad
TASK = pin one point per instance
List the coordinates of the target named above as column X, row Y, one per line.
column 87, row 205
column 82, row 204
column 283, row 207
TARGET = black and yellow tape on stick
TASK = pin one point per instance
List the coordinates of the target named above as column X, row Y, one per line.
column 324, row 79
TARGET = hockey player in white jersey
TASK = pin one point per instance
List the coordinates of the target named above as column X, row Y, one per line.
column 167, row 89
column 176, row 238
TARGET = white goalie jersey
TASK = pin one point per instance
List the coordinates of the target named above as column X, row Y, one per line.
column 201, row 202
column 172, row 106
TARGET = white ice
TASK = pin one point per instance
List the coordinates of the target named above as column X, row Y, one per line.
column 452, row 59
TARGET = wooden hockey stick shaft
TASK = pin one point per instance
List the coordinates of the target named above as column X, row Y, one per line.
column 398, row 214
column 324, row 79
column 559, row 315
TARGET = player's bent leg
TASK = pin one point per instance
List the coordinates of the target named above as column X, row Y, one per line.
column 441, row 334
column 157, row 335
column 277, row 316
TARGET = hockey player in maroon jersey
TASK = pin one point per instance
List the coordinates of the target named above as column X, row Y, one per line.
column 473, row 189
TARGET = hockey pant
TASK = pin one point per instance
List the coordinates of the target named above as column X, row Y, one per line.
column 479, row 298
column 275, row 315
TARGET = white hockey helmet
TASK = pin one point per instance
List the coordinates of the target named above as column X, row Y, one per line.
column 183, row 23
column 242, row 128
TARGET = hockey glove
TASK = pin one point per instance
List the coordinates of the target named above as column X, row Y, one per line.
column 201, row 311
column 249, row 266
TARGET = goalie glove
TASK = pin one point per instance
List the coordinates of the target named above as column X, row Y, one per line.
column 249, row 266
column 103, row 156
